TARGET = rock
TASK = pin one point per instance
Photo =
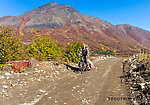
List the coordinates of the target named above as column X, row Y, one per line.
column 3, row 91
column 7, row 95
column 5, row 86
column 37, row 64
column 54, row 73
column 142, row 85
column 43, row 91
column 57, row 72
column 2, row 77
column 38, row 96
column 49, row 97
column 26, row 74
column 58, row 66
column 78, row 86
column 21, row 85
column 11, row 72
column 84, row 101
column 7, row 77
column 56, row 101
column 7, row 74
column 36, row 69
column 82, row 90
column 46, row 94
column 12, row 84
column 47, row 76
column 38, row 79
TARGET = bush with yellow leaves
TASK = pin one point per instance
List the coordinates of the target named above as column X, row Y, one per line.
column 43, row 48
column 11, row 47
column 72, row 52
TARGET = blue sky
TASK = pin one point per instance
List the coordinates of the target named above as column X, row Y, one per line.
column 133, row 12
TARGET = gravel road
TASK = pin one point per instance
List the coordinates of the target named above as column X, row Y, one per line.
column 100, row 86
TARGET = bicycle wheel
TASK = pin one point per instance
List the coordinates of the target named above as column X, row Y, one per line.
column 82, row 68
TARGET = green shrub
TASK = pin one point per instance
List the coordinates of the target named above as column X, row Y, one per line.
column 11, row 47
column 43, row 48
column 2, row 54
column 103, row 43
column 72, row 52
column 86, row 38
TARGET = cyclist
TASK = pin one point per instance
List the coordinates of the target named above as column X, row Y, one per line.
column 85, row 55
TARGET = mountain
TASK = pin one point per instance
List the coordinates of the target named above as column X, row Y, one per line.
column 65, row 24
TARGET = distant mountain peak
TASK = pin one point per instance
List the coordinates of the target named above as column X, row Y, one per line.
column 50, row 4
column 47, row 7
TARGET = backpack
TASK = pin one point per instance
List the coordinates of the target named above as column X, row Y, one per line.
column 84, row 51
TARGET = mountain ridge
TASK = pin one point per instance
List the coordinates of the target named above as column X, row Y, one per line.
column 65, row 24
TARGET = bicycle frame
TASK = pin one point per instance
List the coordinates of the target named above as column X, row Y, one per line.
column 82, row 68
column 82, row 64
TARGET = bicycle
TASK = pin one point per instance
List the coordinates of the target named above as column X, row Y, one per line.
column 82, row 67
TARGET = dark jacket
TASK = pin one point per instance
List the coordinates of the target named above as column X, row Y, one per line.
column 85, row 52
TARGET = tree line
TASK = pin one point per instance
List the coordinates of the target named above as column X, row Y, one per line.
column 41, row 48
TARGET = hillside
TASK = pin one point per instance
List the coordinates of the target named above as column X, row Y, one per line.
column 65, row 24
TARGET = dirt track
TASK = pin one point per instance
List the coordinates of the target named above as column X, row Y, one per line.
column 94, row 87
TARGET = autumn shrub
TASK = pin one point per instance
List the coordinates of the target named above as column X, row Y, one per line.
column 103, row 43
column 72, row 52
column 11, row 47
column 86, row 38
column 43, row 48
column 20, row 66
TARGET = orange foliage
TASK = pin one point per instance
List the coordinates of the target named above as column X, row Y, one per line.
column 20, row 66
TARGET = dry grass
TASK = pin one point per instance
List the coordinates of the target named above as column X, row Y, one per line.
column 143, row 58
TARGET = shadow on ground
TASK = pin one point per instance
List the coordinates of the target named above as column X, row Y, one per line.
column 75, row 69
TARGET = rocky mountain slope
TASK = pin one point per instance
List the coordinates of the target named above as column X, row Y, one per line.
column 66, row 24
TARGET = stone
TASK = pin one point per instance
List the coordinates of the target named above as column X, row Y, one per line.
column 38, row 79
column 7, row 74
column 58, row 66
column 49, row 97
column 26, row 74
column 11, row 72
column 84, row 101
column 5, row 86
column 3, row 91
column 36, row 69
column 78, row 86
column 37, row 64
column 56, row 101
column 8, row 77
column 2, row 77
column 43, row 91
column 82, row 90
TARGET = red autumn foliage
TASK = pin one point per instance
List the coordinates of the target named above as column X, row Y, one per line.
column 20, row 66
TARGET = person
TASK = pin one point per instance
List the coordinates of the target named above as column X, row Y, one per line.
column 85, row 55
